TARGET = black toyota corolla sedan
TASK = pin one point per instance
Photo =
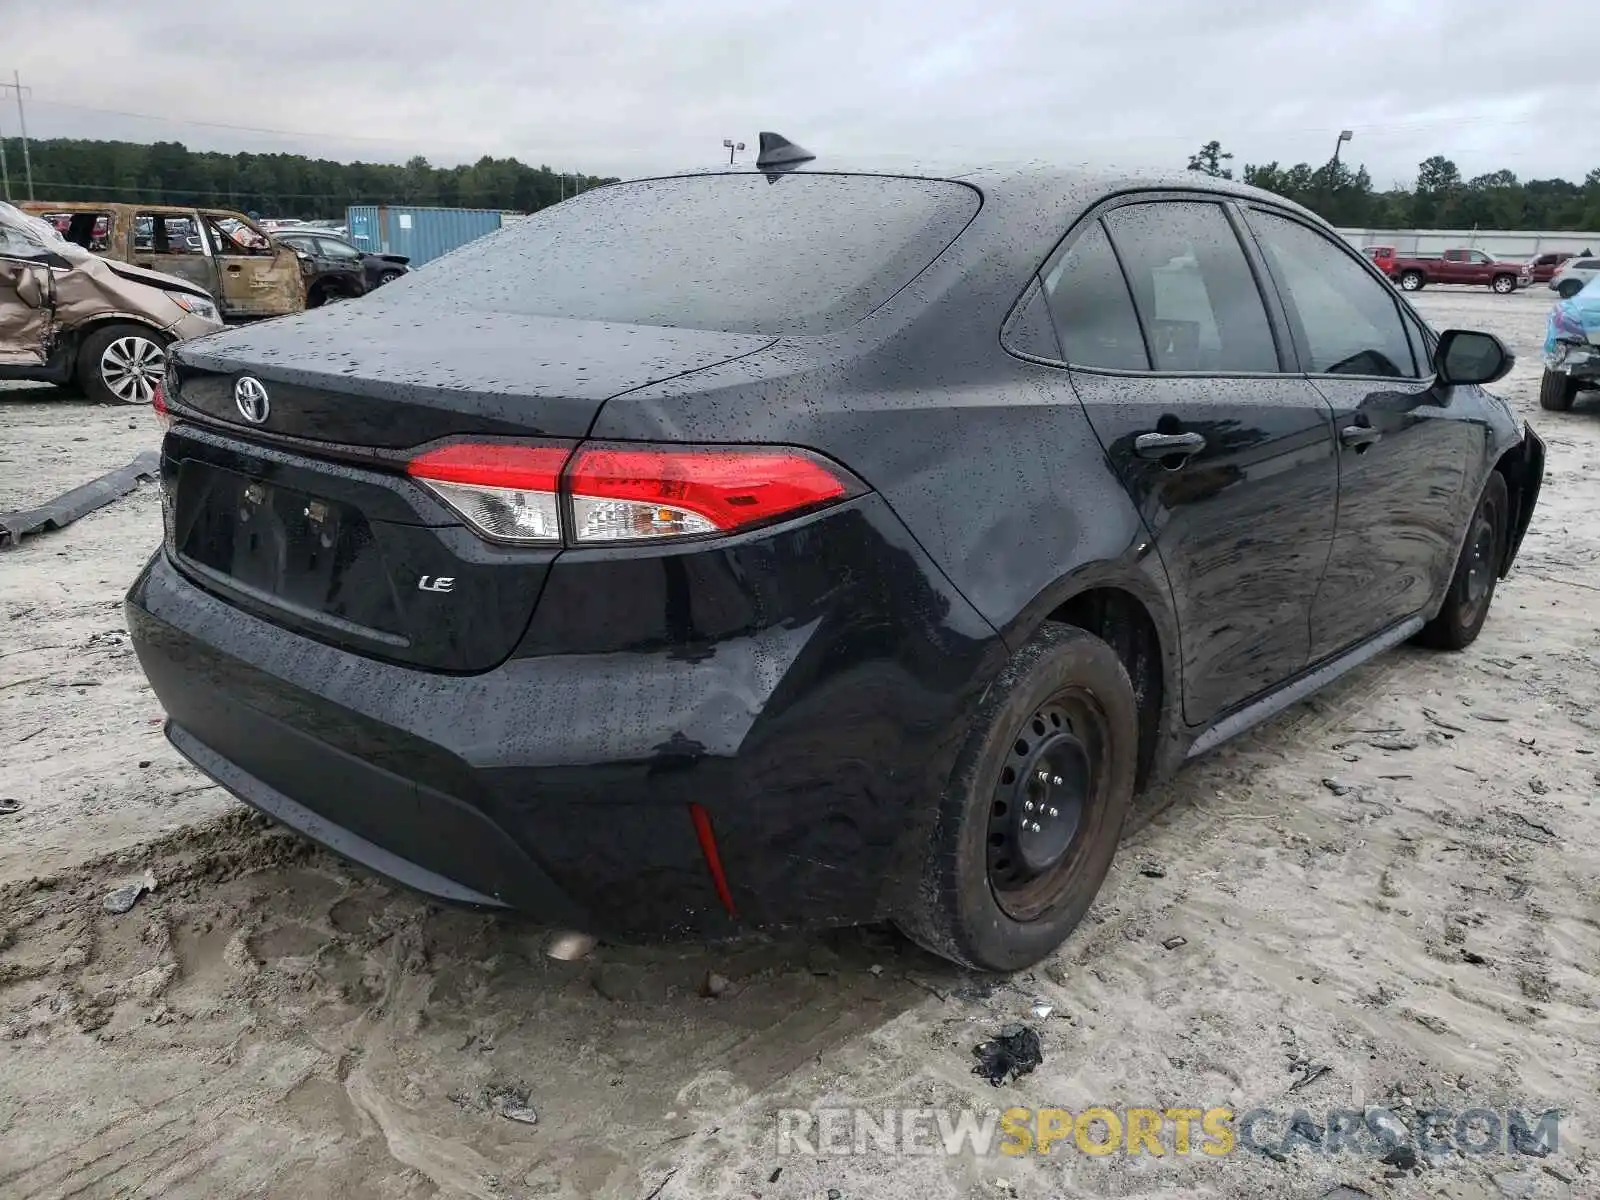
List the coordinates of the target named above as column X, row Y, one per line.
column 811, row 543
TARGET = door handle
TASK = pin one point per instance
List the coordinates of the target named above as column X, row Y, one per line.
column 1359, row 436
column 1168, row 445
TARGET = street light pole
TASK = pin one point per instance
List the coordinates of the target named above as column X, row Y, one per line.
column 27, row 164
column 1345, row 135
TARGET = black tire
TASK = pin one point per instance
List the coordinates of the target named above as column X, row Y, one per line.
column 389, row 277
column 140, row 349
column 317, row 296
column 1503, row 285
column 1412, row 281
column 1466, row 604
column 1569, row 288
column 1557, row 391
column 1064, row 707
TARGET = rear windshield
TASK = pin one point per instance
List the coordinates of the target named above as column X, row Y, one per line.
column 790, row 254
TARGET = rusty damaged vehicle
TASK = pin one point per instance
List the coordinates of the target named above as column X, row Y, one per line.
column 68, row 316
column 245, row 272
column 812, row 543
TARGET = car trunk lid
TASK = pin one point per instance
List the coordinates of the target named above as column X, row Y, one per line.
column 375, row 375
column 304, row 517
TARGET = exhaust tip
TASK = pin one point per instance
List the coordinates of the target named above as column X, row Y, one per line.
column 568, row 945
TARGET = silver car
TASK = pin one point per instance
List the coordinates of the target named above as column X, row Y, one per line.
column 1574, row 273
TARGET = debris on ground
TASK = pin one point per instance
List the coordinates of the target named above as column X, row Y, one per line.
column 1401, row 1158
column 1172, row 943
column 120, row 900
column 9, row 806
column 1303, row 1126
column 1347, row 1192
column 1042, row 1009
column 714, row 985
column 1314, row 1072
column 1337, row 788
column 569, row 947
column 80, row 501
column 1151, row 871
column 1014, row 1052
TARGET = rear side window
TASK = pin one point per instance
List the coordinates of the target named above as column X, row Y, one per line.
column 799, row 253
column 1349, row 321
column 1192, row 287
column 1091, row 307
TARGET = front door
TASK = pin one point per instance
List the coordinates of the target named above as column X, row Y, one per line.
column 25, row 314
column 171, row 242
column 259, row 278
column 1227, row 452
column 1403, row 450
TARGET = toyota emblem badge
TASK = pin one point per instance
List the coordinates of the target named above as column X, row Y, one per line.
column 250, row 395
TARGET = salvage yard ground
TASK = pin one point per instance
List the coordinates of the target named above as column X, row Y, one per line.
column 1395, row 881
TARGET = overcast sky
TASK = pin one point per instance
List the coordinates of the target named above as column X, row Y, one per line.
column 627, row 87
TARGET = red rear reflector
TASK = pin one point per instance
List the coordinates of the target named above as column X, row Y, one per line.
column 708, row 848
column 624, row 493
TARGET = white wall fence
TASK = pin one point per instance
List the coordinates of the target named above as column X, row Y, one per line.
column 1502, row 243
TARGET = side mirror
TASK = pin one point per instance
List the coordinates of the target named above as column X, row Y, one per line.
column 1467, row 356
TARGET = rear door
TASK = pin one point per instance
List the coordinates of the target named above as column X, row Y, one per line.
column 1225, row 449
column 170, row 241
column 1403, row 449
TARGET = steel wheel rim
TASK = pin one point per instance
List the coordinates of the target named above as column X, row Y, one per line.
column 131, row 367
column 1480, row 567
column 1046, row 794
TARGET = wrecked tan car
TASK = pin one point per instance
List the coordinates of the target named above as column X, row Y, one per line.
column 68, row 316
column 244, row 271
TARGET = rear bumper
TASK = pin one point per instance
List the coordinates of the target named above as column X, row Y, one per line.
column 816, row 736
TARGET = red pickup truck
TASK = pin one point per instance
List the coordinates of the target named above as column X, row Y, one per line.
column 1456, row 266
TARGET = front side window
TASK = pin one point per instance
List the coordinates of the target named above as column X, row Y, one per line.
column 1193, row 287
column 1349, row 321
column 1091, row 307
column 333, row 248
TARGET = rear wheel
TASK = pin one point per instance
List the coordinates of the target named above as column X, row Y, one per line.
column 1411, row 281
column 1466, row 604
column 1557, row 391
column 389, row 277
column 1569, row 288
column 1504, row 284
column 1029, row 822
column 122, row 364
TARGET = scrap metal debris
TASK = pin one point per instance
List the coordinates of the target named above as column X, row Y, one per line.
column 1013, row 1053
column 120, row 900
column 1314, row 1072
column 80, row 501
column 9, row 806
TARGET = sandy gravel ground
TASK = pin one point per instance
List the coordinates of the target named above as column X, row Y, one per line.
column 1395, row 881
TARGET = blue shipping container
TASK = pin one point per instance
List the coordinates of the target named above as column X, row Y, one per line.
column 418, row 233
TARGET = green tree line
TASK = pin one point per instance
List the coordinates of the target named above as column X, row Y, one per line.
column 1440, row 198
column 275, row 185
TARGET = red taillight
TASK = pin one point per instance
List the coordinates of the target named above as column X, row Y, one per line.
column 626, row 493
column 508, row 492
column 158, row 405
